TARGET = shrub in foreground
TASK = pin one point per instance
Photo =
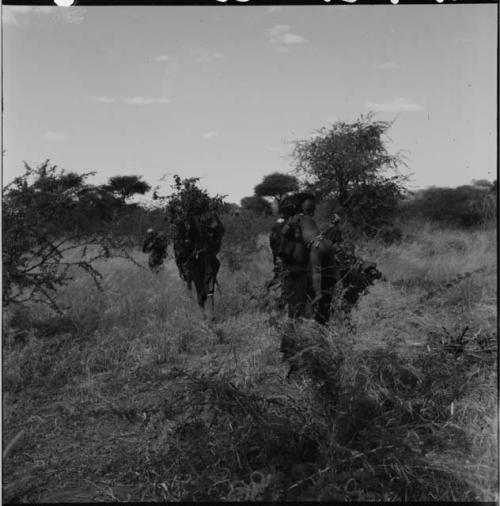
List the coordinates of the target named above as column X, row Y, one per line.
column 362, row 426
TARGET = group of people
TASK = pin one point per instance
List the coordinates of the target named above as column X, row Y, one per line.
column 308, row 263
column 197, row 239
column 303, row 258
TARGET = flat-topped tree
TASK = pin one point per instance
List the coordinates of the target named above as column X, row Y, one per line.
column 125, row 187
column 276, row 185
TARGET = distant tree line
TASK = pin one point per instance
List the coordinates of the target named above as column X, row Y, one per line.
column 463, row 207
column 54, row 222
column 352, row 173
column 349, row 169
column 47, row 212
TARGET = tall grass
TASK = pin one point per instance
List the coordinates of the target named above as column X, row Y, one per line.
column 398, row 404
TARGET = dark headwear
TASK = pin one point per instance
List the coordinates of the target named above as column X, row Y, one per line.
column 303, row 196
column 291, row 204
column 288, row 206
column 308, row 206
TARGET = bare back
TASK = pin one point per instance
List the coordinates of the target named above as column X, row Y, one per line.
column 309, row 228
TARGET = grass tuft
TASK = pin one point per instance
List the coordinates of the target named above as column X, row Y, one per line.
column 396, row 402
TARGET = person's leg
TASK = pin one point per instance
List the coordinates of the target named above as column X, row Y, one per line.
column 287, row 292
column 211, row 269
column 296, row 293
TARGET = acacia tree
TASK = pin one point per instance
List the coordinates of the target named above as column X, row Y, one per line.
column 350, row 162
column 276, row 185
column 40, row 213
column 125, row 187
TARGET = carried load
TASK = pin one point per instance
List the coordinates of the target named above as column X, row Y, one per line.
column 197, row 235
column 286, row 234
column 309, row 263
column 303, row 273
column 356, row 275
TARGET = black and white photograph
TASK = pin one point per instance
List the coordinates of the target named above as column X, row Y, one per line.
column 249, row 251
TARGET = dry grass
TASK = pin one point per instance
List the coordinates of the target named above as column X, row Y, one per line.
column 133, row 396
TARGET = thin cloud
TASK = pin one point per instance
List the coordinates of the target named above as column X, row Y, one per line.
column 203, row 56
column 332, row 119
column 21, row 15
column 52, row 136
column 282, row 38
column 162, row 58
column 210, row 135
column 103, row 99
column 274, row 9
column 145, row 100
column 138, row 100
column 386, row 65
column 398, row 104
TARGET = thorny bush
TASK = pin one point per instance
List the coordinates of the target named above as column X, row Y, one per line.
column 42, row 242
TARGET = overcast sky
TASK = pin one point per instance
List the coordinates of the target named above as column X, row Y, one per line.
column 220, row 92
